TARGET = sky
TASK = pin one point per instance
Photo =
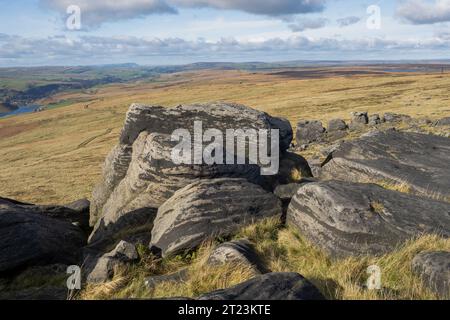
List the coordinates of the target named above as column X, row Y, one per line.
column 166, row 32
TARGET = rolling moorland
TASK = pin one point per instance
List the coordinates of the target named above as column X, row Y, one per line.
column 56, row 156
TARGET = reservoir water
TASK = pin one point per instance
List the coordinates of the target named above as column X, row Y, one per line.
column 20, row 110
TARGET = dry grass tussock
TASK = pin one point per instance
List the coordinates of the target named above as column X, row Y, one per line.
column 283, row 250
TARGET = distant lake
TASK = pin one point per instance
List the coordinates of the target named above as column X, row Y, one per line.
column 20, row 110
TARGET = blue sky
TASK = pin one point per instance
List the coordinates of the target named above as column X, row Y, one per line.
column 151, row 32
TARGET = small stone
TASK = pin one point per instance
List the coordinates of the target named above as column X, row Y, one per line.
column 238, row 252
column 337, row 125
column 374, row 120
column 395, row 117
column 359, row 120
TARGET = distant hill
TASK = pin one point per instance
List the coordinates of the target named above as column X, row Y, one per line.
column 25, row 85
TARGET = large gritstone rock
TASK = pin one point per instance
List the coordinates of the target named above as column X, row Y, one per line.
column 140, row 171
column 434, row 269
column 336, row 125
column 239, row 252
column 134, row 227
column 31, row 236
column 209, row 208
column 359, row 120
column 101, row 269
column 271, row 286
column 352, row 219
column 76, row 212
column 309, row 132
column 413, row 161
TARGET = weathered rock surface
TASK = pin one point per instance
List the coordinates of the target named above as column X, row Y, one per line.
column 416, row 161
column 336, row 125
column 271, row 286
column 82, row 206
column 374, row 119
column 434, row 269
column 210, row 208
column 239, row 252
column 359, row 120
column 395, row 117
column 30, row 235
column 443, row 122
column 139, row 171
column 76, row 212
column 309, row 131
column 101, row 269
column 287, row 191
column 352, row 219
column 134, row 227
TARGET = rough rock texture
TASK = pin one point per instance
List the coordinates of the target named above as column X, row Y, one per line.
column 434, row 269
column 374, row 120
column 271, row 286
column 139, row 171
column 287, row 191
column 336, row 125
column 209, row 208
column 76, row 212
column 316, row 166
column 81, row 206
column 359, row 120
column 238, row 251
column 309, row 131
column 134, row 227
column 102, row 269
column 417, row 161
column 30, row 236
column 351, row 218
column 394, row 117
column 443, row 122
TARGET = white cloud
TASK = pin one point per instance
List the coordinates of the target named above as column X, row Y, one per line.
column 421, row 12
column 15, row 50
column 96, row 12
column 264, row 7
column 303, row 24
column 348, row 21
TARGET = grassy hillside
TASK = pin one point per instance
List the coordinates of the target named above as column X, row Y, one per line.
column 56, row 156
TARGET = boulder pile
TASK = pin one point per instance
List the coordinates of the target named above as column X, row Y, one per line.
column 372, row 193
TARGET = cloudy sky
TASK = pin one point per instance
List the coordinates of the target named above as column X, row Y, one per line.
column 154, row 32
